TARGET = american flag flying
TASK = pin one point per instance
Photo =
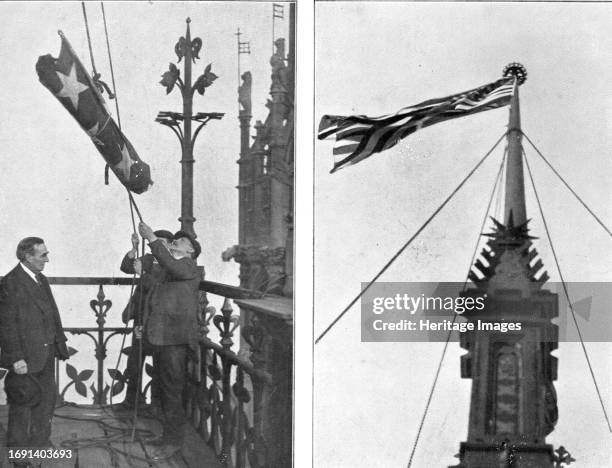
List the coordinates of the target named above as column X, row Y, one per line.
column 70, row 83
column 359, row 136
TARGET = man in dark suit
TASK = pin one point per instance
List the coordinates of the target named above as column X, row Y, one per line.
column 151, row 274
column 31, row 336
column 172, row 327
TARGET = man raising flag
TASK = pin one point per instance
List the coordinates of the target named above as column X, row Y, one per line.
column 359, row 136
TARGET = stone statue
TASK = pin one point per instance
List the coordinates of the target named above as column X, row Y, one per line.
column 230, row 253
column 277, row 61
column 244, row 93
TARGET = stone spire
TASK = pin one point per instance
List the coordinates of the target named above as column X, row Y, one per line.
column 513, row 404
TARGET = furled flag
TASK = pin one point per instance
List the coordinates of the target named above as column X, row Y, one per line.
column 68, row 80
column 359, row 136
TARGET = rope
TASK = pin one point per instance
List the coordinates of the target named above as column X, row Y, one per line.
column 568, row 186
column 431, row 392
column 132, row 211
column 110, row 61
column 128, row 305
column 91, row 56
column 405, row 246
column 484, row 220
column 137, row 318
column 139, row 321
column 498, row 213
column 114, row 94
column 133, row 203
column 552, row 248
column 133, row 207
column 113, row 435
column 95, row 73
column 448, row 336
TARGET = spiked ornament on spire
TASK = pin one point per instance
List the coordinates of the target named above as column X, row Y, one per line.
column 510, row 232
column 509, row 242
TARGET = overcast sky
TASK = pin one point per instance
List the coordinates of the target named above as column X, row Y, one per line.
column 374, row 58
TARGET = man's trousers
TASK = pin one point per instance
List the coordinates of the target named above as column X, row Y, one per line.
column 31, row 426
column 172, row 361
column 134, row 365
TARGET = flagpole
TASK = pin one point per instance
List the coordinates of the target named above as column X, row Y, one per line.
column 238, row 47
column 515, row 209
column 278, row 11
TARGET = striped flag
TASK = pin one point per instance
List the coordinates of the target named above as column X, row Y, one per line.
column 359, row 136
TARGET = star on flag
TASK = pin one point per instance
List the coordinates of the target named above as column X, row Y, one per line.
column 71, row 87
column 126, row 162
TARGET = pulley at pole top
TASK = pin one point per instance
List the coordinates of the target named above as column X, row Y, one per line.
column 517, row 70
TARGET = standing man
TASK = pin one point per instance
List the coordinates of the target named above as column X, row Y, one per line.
column 172, row 327
column 31, row 336
column 151, row 274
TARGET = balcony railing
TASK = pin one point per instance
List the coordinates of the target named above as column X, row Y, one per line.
column 223, row 399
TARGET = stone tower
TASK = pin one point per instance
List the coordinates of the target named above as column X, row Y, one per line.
column 265, row 249
column 513, row 401
column 265, row 182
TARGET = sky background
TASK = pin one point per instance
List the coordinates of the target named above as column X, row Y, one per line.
column 374, row 58
column 52, row 177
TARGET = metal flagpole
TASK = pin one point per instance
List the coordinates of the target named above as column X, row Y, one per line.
column 238, row 41
column 278, row 11
column 244, row 47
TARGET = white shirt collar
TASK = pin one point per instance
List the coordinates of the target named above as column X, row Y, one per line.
column 29, row 272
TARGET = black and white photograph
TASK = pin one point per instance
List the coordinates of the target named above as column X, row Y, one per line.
column 430, row 286
column 462, row 144
column 147, row 212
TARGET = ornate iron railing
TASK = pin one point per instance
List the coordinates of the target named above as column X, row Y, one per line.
column 225, row 389
column 101, row 336
column 223, row 398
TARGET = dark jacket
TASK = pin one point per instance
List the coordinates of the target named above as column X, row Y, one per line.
column 152, row 273
column 173, row 302
column 30, row 324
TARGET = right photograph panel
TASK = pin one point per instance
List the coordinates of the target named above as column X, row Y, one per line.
column 462, row 235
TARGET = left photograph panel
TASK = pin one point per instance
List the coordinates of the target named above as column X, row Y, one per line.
column 146, row 262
